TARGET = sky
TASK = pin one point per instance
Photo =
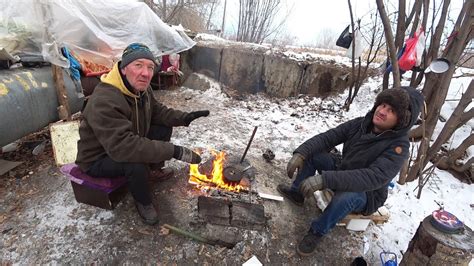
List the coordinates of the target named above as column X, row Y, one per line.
column 309, row 18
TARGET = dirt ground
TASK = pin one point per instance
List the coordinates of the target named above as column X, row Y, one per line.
column 41, row 222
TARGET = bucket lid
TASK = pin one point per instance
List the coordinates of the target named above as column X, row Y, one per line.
column 446, row 222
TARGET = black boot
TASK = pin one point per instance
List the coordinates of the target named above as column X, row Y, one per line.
column 147, row 212
column 293, row 196
column 307, row 246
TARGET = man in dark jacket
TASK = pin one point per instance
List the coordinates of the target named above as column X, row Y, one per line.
column 126, row 132
column 375, row 147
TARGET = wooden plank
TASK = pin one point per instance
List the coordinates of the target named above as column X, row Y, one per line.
column 63, row 106
column 269, row 196
column 6, row 166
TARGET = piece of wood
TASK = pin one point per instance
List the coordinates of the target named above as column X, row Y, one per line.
column 213, row 210
column 269, row 196
column 63, row 106
column 6, row 166
column 377, row 219
column 430, row 246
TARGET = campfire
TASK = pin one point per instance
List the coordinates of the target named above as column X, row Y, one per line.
column 215, row 179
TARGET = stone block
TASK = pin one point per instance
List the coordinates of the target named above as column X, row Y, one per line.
column 248, row 215
column 214, row 211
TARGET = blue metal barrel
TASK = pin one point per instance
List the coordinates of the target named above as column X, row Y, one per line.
column 28, row 101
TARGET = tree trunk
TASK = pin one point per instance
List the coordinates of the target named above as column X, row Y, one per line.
column 456, row 120
column 400, row 35
column 430, row 91
column 390, row 43
column 430, row 246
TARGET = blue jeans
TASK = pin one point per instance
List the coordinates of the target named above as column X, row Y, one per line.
column 342, row 203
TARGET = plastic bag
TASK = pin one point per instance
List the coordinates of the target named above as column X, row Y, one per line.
column 345, row 38
column 420, row 47
column 413, row 51
column 359, row 45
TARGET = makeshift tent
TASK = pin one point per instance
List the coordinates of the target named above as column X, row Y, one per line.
column 96, row 31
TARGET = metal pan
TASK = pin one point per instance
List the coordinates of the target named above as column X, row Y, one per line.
column 439, row 65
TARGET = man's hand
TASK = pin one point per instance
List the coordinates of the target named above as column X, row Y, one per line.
column 296, row 163
column 186, row 155
column 194, row 115
column 311, row 184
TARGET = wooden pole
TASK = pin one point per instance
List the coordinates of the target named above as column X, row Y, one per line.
column 64, row 111
column 63, row 106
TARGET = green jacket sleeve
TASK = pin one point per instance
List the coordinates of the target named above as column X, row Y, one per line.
column 162, row 115
column 108, row 116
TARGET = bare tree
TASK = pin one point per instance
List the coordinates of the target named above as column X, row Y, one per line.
column 436, row 88
column 373, row 35
column 326, row 38
column 257, row 20
column 390, row 42
column 440, row 83
column 195, row 15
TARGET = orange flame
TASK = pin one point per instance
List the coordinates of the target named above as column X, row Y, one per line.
column 217, row 178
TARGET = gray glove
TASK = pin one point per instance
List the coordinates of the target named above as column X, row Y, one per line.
column 186, row 155
column 311, row 184
column 296, row 163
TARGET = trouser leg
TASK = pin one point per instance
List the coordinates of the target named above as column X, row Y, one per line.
column 136, row 173
column 342, row 204
column 318, row 162
column 163, row 133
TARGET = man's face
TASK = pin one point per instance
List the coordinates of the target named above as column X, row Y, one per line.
column 139, row 73
column 384, row 118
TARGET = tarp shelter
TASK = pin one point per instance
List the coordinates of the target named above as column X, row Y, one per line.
column 96, row 31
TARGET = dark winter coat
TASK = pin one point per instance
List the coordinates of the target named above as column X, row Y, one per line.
column 369, row 161
column 116, row 123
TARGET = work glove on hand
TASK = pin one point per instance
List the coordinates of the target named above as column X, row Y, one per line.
column 194, row 115
column 296, row 163
column 186, row 155
column 311, row 184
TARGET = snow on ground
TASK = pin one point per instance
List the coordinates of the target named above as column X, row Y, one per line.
column 295, row 53
column 285, row 123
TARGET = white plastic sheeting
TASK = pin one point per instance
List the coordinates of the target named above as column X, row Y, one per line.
column 97, row 30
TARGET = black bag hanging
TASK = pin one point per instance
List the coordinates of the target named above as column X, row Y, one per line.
column 344, row 39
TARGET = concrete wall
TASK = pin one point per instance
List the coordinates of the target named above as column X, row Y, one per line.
column 250, row 70
column 282, row 76
column 242, row 70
